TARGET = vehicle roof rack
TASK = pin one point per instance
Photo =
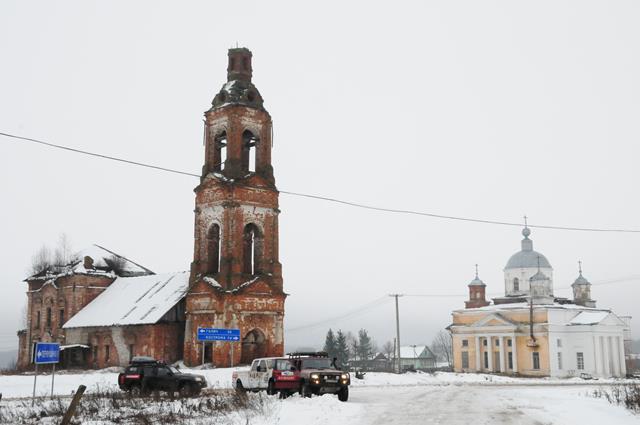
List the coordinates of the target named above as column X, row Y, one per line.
column 298, row 354
column 143, row 359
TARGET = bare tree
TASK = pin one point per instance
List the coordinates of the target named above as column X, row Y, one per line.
column 24, row 316
column 388, row 349
column 117, row 264
column 63, row 252
column 443, row 347
column 354, row 346
column 41, row 260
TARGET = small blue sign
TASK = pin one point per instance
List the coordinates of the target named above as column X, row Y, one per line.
column 215, row 334
column 47, row 352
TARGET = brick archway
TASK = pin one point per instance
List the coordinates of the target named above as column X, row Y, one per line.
column 253, row 346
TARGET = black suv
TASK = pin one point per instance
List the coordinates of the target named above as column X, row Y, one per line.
column 145, row 375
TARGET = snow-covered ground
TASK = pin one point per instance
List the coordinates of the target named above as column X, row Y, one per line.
column 107, row 379
column 381, row 398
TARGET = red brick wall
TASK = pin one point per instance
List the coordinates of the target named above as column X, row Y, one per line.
column 68, row 293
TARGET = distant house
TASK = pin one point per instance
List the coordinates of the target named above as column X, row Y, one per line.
column 379, row 363
column 417, row 357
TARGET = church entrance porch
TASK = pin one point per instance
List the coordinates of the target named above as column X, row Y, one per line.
column 253, row 346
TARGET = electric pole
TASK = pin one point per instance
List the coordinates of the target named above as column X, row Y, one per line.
column 399, row 367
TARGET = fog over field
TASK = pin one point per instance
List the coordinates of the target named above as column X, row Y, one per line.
column 486, row 110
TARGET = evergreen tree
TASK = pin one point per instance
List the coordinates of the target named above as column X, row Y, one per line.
column 364, row 345
column 330, row 344
column 342, row 348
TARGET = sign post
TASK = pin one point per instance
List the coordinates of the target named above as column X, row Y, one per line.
column 218, row 334
column 45, row 353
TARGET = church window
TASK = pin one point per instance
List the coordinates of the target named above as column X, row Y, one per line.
column 107, row 352
column 509, row 342
column 516, row 284
column 484, row 342
column 213, row 249
column 486, row 360
column 219, row 152
column 510, row 360
column 465, row 342
column 37, row 324
column 465, row 360
column 245, row 64
column 130, row 352
column 580, row 360
column 536, row 360
column 61, row 318
column 560, row 361
column 252, row 247
column 249, row 143
column 48, row 317
column 497, row 343
column 477, row 295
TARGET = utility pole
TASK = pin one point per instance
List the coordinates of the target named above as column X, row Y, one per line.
column 399, row 367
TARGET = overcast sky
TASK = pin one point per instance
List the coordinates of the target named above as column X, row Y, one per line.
column 480, row 109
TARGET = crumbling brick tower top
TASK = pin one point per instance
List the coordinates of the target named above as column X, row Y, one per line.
column 236, row 277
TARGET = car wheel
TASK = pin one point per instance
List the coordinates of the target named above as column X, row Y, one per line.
column 271, row 388
column 239, row 387
column 305, row 391
column 185, row 390
column 343, row 394
column 134, row 391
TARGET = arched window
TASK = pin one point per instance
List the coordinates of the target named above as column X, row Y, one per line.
column 219, row 152
column 245, row 63
column 249, row 142
column 213, row 249
column 516, row 284
column 252, row 249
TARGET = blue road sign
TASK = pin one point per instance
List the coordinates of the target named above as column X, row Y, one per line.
column 215, row 334
column 47, row 352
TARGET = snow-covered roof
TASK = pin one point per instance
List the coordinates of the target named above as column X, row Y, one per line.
column 414, row 351
column 105, row 263
column 518, row 306
column 133, row 301
column 589, row 318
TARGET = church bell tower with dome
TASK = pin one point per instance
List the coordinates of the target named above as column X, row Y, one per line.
column 521, row 268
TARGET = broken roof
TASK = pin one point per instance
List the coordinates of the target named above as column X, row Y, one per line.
column 133, row 301
column 105, row 262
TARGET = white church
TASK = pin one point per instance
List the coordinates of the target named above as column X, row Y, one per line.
column 531, row 332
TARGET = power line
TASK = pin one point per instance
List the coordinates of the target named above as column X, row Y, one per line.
column 360, row 310
column 330, row 199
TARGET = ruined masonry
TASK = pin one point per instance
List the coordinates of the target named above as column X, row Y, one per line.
column 104, row 309
column 236, row 278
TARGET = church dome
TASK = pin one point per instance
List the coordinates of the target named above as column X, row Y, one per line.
column 527, row 257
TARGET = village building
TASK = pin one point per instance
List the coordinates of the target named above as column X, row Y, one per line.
column 104, row 309
column 531, row 332
column 60, row 292
column 417, row 357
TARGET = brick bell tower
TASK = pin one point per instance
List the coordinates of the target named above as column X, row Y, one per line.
column 236, row 277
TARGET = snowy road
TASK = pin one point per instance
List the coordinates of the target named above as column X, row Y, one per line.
column 454, row 405
column 389, row 399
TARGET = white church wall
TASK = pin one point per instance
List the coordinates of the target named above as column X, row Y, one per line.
column 601, row 347
column 523, row 275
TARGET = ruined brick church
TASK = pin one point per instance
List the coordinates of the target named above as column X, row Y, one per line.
column 104, row 309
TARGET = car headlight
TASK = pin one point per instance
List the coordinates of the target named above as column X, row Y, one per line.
column 315, row 376
column 344, row 376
